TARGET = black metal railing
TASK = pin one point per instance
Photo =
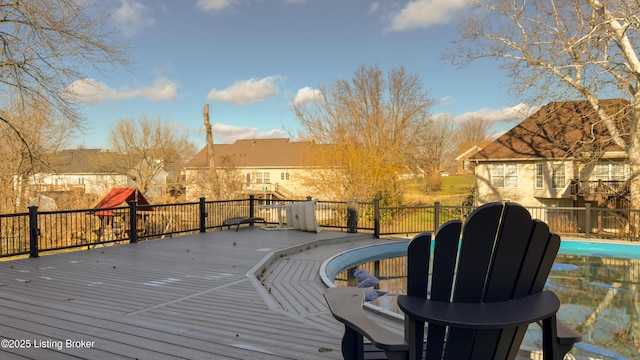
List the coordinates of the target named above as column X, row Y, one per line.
column 34, row 232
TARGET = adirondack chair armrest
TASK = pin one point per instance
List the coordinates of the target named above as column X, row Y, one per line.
column 482, row 315
column 345, row 304
column 567, row 336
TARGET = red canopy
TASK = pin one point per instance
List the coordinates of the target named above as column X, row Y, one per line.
column 120, row 197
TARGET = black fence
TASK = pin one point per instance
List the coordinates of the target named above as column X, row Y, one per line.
column 34, row 232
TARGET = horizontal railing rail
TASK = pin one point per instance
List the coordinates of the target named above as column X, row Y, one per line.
column 36, row 231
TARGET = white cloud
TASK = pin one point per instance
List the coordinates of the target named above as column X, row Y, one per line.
column 132, row 16
column 446, row 100
column 374, row 7
column 162, row 89
column 306, row 94
column 90, row 91
column 424, row 13
column 228, row 133
column 247, row 91
column 220, row 5
column 215, row 5
column 515, row 113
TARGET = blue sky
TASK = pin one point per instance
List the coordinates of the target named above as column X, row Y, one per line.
column 250, row 59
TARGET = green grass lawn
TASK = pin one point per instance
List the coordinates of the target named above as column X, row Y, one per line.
column 454, row 189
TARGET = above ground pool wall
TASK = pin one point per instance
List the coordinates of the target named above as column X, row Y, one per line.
column 348, row 259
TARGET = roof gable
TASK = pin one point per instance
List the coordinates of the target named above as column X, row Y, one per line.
column 469, row 149
column 558, row 130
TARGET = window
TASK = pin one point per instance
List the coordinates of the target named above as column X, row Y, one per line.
column 504, row 175
column 609, row 172
column 539, row 183
column 284, row 176
column 558, row 177
column 612, row 173
column 261, row 177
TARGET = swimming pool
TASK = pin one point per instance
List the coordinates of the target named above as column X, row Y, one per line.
column 603, row 249
column 597, row 282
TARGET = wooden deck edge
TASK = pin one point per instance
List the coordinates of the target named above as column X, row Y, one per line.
column 261, row 267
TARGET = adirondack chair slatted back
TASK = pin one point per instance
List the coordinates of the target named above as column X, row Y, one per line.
column 502, row 254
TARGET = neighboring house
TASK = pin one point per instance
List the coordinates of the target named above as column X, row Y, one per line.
column 89, row 171
column 559, row 156
column 467, row 150
column 266, row 168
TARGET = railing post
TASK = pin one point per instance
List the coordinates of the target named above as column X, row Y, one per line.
column 376, row 218
column 252, row 206
column 352, row 216
column 587, row 220
column 133, row 221
column 436, row 215
column 203, row 215
column 34, row 231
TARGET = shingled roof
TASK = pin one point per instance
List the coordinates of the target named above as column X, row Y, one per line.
column 86, row 161
column 558, row 130
column 280, row 152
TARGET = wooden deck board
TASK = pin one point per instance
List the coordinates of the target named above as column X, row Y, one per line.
column 115, row 335
column 180, row 298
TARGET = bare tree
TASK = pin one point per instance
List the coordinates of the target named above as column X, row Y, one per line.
column 228, row 184
column 473, row 130
column 365, row 130
column 44, row 46
column 431, row 150
column 213, row 172
column 152, row 147
column 41, row 135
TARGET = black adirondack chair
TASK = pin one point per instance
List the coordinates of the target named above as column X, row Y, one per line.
column 482, row 289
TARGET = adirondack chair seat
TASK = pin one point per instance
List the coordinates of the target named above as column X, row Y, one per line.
column 497, row 315
column 485, row 287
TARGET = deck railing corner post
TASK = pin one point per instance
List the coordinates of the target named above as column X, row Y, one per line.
column 133, row 221
column 436, row 215
column 203, row 215
column 34, row 231
column 376, row 218
column 252, row 206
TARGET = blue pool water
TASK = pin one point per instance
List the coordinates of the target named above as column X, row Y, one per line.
column 590, row 248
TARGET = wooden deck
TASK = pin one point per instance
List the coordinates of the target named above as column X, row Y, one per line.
column 190, row 297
